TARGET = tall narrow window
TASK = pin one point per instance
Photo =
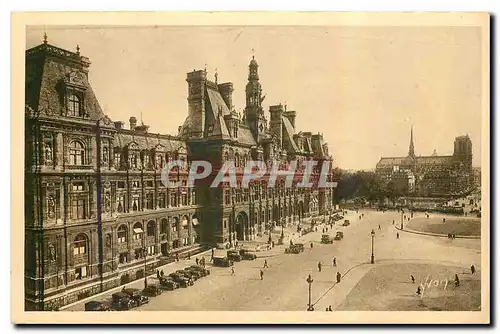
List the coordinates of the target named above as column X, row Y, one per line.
column 80, row 245
column 78, row 208
column 122, row 234
column 74, row 106
column 76, row 153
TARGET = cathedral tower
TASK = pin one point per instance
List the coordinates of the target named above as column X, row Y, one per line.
column 411, row 150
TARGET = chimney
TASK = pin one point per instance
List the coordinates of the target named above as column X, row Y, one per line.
column 119, row 125
column 226, row 91
column 133, row 123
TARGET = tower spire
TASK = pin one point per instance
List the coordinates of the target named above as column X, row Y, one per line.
column 411, row 150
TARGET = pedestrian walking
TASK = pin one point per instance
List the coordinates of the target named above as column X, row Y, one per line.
column 419, row 291
column 379, row 227
column 472, row 269
column 261, row 275
column 189, row 255
column 412, row 278
column 177, row 257
column 319, row 266
column 330, row 308
column 339, row 276
column 232, row 271
column 162, row 273
column 457, row 281
column 197, row 261
column 334, row 261
column 393, row 222
column 397, row 235
column 265, row 264
column 157, row 274
column 311, row 245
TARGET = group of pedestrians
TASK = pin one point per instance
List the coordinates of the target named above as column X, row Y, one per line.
column 334, row 264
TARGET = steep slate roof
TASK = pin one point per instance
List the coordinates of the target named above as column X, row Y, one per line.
column 289, row 132
column 147, row 141
column 245, row 136
column 387, row 162
column 443, row 159
column 47, row 67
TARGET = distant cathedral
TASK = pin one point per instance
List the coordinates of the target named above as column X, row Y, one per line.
column 431, row 176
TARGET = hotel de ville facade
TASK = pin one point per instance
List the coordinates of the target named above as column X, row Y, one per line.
column 96, row 212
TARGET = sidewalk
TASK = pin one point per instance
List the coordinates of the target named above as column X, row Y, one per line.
column 138, row 284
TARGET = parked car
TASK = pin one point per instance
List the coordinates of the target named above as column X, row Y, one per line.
column 183, row 281
column 97, row 306
column 195, row 274
column 294, row 249
column 247, row 255
column 203, row 271
column 168, row 283
column 136, row 296
column 122, row 301
column 233, row 255
column 222, row 262
column 346, row 223
column 299, row 246
column 191, row 275
column 152, row 290
column 339, row 236
column 326, row 239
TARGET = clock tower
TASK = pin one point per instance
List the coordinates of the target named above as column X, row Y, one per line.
column 254, row 113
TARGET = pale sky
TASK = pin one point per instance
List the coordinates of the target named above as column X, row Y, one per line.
column 362, row 87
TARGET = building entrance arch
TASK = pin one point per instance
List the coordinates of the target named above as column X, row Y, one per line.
column 241, row 225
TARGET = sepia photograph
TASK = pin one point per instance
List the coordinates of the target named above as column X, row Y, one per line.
column 307, row 167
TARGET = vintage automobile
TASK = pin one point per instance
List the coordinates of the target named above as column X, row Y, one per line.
column 194, row 275
column 222, row 262
column 299, row 246
column 326, row 239
column 233, row 255
column 247, row 254
column 203, row 271
column 183, row 281
column 168, row 283
column 122, row 301
column 294, row 249
column 346, row 223
column 152, row 290
column 339, row 236
column 97, row 306
column 136, row 296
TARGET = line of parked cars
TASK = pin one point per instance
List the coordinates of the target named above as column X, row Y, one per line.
column 129, row 298
column 233, row 256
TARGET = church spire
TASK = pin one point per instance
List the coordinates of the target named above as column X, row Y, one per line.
column 411, row 150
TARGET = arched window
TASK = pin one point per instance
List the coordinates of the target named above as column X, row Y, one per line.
column 122, row 234
column 138, row 231
column 151, row 229
column 76, row 153
column 163, row 226
column 74, row 106
column 80, row 245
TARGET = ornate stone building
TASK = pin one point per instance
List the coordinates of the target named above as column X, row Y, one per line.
column 96, row 212
column 431, row 176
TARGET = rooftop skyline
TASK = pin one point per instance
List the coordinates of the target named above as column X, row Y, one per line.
column 366, row 85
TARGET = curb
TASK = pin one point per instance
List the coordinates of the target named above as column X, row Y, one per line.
column 438, row 235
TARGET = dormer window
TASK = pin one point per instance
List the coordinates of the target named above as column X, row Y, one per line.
column 75, row 105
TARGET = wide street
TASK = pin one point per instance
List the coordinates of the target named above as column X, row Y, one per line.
column 284, row 287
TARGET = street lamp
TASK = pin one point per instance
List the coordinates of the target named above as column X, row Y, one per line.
column 282, row 228
column 402, row 212
column 144, row 249
column 373, row 256
column 309, row 280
